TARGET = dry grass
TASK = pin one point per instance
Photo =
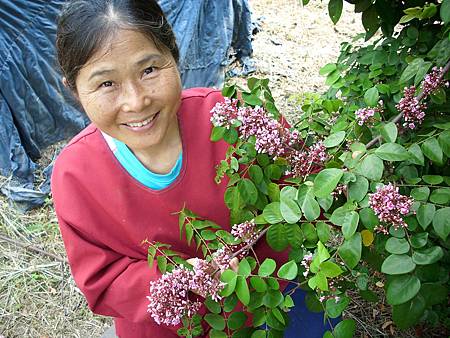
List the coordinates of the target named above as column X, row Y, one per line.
column 38, row 297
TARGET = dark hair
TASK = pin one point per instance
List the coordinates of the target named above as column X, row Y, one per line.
column 84, row 26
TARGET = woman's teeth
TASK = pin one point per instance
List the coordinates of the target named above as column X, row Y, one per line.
column 142, row 123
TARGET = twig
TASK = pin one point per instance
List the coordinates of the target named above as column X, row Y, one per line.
column 33, row 248
column 249, row 245
column 400, row 115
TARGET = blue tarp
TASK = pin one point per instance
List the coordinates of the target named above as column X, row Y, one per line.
column 37, row 111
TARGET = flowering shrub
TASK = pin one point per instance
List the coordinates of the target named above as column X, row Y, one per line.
column 357, row 191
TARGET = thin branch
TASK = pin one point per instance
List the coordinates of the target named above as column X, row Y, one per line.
column 400, row 115
column 33, row 248
column 249, row 245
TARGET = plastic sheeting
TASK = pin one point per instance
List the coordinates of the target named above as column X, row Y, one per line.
column 37, row 111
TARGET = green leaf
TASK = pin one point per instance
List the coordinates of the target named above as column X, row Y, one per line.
column 290, row 210
column 310, row 233
column 272, row 213
column 326, row 181
column 420, row 193
column 326, row 202
column 259, row 334
column 295, row 236
column 370, row 21
column 229, row 277
column 425, row 215
column 310, row 207
column 350, row 224
column 330, row 269
column 408, row 314
column 236, row 320
column 445, row 11
column 256, row 174
column 251, row 99
column 350, row 250
column 428, row 256
column 248, row 191
column 323, row 231
column 244, row 268
column 212, row 305
column 335, row 10
column 273, row 191
column 433, row 179
column 273, row 298
column 411, row 70
column 288, row 270
column 371, row 167
column 231, row 136
column 334, row 309
column 334, row 139
column 444, row 142
column 230, row 303
column 217, row 133
column 345, row 329
column 319, row 281
column 419, row 240
column 258, row 284
column 267, row 267
column 389, row 132
column 416, row 155
column 162, row 264
column 402, row 289
column 371, row 97
column 276, row 237
column 432, row 150
column 441, row 223
column 368, row 218
column 215, row 321
column 328, row 68
column 440, row 196
column 434, row 293
column 392, row 152
column 242, row 290
column 397, row 246
column 397, row 265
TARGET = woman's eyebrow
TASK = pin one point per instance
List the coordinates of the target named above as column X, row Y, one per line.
column 100, row 72
column 148, row 58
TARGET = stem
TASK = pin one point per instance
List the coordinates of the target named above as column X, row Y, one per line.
column 400, row 115
column 200, row 236
column 160, row 251
column 249, row 245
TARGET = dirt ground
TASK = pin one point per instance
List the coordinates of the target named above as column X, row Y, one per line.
column 38, row 297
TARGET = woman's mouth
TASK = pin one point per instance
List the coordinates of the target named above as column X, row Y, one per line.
column 142, row 125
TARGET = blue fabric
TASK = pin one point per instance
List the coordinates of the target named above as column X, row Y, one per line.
column 304, row 323
column 136, row 169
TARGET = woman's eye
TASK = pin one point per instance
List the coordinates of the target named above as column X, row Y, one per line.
column 106, row 84
column 149, row 70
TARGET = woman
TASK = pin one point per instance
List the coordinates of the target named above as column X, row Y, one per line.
column 145, row 156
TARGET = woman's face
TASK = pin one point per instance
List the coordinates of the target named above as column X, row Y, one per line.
column 131, row 91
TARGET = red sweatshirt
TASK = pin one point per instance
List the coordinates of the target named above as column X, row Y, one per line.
column 104, row 214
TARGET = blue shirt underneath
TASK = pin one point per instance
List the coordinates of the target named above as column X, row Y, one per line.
column 136, row 169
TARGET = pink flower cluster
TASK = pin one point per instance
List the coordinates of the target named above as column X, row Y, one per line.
column 413, row 110
column 222, row 258
column 169, row 298
column 224, row 114
column 271, row 137
column 306, row 262
column 390, row 206
column 365, row 115
column 303, row 161
column 246, row 232
column 433, row 81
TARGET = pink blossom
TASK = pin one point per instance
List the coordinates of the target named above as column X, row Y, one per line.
column 245, row 231
column 366, row 115
column 169, row 298
column 224, row 114
column 306, row 262
column 390, row 206
column 433, row 81
column 222, row 258
column 303, row 161
column 413, row 110
column 271, row 137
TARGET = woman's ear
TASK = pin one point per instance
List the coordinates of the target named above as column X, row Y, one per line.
column 65, row 83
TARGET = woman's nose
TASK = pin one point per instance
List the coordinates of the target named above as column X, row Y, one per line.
column 134, row 98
